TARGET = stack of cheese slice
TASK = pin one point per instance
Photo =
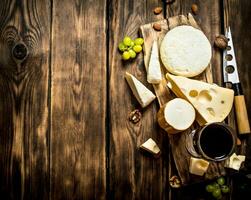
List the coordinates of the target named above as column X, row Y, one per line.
column 141, row 93
column 212, row 103
column 154, row 71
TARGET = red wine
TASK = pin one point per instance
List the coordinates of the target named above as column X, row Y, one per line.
column 216, row 141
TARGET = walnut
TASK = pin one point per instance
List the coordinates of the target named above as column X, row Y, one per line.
column 221, row 41
column 135, row 116
column 175, row 182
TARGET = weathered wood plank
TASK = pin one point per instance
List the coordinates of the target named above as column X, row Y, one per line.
column 78, row 138
column 133, row 175
column 237, row 16
column 24, row 109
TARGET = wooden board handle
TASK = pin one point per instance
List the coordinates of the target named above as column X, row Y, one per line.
column 241, row 114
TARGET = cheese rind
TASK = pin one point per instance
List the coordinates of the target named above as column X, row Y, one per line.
column 176, row 115
column 185, row 51
column 151, row 146
column 234, row 162
column 198, row 166
column 212, row 103
column 141, row 92
column 154, row 71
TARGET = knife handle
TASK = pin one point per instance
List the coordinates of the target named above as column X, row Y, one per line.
column 240, row 109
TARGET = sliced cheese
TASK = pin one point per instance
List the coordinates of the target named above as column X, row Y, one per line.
column 234, row 162
column 151, row 146
column 141, row 93
column 212, row 103
column 154, row 71
column 185, row 51
column 198, row 166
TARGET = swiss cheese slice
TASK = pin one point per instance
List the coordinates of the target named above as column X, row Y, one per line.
column 198, row 166
column 141, row 93
column 185, row 51
column 212, row 103
column 154, row 71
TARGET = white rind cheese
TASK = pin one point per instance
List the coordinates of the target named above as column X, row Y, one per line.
column 198, row 166
column 185, row 51
column 179, row 114
column 141, row 93
column 151, row 146
column 212, row 103
column 154, row 71
column 234, row 162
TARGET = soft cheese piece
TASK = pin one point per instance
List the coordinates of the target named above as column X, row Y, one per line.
column 212, row 103
column 151, row 146
column 154, row 71
column 142, row 94
column 198, row 166
column 176, row 115
column 185, row 51
column 234, row 162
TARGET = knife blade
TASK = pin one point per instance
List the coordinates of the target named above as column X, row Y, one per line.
column 230, row 75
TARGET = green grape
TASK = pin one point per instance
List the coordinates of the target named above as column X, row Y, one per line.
column 132, row 44
column 122, row 47
column 132, row 53
column 225, row 189
column 127, row 41
column 139, row 41
column 209, row 188
column 137, row 48
column 221, row 181
column 216, row 193
column 216, row 185
column 126, row 55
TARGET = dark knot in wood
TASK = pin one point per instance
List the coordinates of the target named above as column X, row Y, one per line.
column 19, row 51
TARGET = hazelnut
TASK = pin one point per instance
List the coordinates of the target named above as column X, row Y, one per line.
column 221, row 41
column 135, row 116
column 194, row 9
column 238, row 142
column 157, row 26
column 175, row 182
column 157, row 10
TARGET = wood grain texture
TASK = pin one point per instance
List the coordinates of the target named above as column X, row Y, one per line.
column 237, row 15
column 24, row 132
column 78, row 100
column 133, row 174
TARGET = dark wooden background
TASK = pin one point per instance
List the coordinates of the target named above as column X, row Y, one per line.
column 64, row 132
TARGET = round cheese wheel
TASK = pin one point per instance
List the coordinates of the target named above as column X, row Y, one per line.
column 179, row 114
column 185, row 51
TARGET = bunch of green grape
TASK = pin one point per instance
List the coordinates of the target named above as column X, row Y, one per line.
column 218, row 188
column 130, row 48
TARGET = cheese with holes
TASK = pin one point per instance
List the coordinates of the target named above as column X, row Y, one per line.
column 234, row 162
column 198, row 166
column 185, row 51
column 154, row 71
column 151, row 146
column 212, row 103
column 141, row 93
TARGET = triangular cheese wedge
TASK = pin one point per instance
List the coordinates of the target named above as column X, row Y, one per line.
column 212, row 103
column 142, row 94
column 154, row 71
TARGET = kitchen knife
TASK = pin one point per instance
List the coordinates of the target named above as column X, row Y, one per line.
column 230, row 73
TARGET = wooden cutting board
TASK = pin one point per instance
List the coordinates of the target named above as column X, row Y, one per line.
column 178, row 141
